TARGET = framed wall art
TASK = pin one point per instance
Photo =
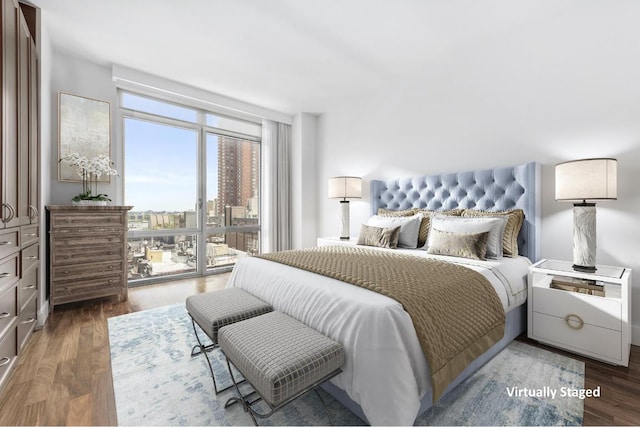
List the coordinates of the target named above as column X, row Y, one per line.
column 84, row 128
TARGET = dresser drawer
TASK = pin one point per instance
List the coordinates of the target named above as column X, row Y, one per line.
column 28, row 286
column 8, row 307
column 113, row 282
column 9, row 242
column 63, row 241
column 27, row 321
column 29, row 235
column 86, row 289
column 596, row 341
column 83, row 255
column 66, row 273
column 87, row 220
column 30, row 257
column 593, row 310
column 8, row 352
column 9, row 271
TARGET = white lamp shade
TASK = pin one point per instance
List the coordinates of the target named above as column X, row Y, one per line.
column 587, row 179
column 345, row 187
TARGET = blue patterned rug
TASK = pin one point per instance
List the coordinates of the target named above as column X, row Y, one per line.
column 157, row 382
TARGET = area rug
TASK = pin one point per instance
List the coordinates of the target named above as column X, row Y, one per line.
column 157, row 382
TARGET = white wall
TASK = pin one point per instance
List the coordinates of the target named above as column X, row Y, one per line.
column 572, row 92
column 304, row 187
column 83, row 78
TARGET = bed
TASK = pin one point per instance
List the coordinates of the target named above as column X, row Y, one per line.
column 386, row 378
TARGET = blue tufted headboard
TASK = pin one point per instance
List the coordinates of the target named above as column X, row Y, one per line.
column 516, row 187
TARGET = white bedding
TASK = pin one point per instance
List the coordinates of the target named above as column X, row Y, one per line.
column 385, row 371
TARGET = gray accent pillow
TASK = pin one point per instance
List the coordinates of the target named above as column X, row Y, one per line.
column 382, row 237
column 466, row 245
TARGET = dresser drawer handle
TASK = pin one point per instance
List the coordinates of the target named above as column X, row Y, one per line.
column 575, row 318
column 31, row 234
column 4, row 361
column 31, row 257
column 30, row 287
column 6, row 242
column 31, row 320
column 5, row 275
column 4, row 315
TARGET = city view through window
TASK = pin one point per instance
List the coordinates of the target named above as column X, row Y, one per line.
column 189, row 186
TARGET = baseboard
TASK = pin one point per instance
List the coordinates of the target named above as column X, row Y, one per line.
column 43, row 314
column 635, row 335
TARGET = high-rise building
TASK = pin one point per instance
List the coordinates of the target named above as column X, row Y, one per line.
column 238, row 177
column 238, row 172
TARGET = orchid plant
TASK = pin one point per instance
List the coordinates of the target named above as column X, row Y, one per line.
column 90, row 171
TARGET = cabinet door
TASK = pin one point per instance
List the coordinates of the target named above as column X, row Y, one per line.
column 24, row 43
column 10, row 153
column 34, row 137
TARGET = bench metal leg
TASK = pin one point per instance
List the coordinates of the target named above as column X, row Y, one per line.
column 200, row 348
column 247, row 405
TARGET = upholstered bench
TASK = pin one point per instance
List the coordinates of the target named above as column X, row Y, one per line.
column 213, row 310
column 280, row 357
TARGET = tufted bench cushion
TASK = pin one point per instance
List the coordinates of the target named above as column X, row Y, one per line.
column 281, row 357
column 213, row 310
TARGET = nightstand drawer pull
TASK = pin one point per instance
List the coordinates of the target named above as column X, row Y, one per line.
column 26, row 322
column 574, row 318
column 4, row 315
column 6, row 242
column 4, row 361
column 5, row 274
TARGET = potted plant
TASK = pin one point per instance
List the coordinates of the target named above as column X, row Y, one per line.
column 90, row 171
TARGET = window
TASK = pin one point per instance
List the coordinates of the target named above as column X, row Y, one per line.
column 194, row 187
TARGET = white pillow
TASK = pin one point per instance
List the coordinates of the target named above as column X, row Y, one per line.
column 456, row 224
column 409, row 227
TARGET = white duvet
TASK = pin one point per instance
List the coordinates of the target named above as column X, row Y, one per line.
column 385, row 371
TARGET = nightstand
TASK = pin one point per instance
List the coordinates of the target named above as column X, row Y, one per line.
column 332, row 241
column 585, row 313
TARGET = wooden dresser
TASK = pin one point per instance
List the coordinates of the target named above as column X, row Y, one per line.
column 87, row 252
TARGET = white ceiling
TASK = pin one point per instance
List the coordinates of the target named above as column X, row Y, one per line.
column 295, row 55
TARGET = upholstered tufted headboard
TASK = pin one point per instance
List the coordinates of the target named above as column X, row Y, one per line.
column 516, row 187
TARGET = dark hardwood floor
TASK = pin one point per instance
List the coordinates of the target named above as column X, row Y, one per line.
column 64, row 374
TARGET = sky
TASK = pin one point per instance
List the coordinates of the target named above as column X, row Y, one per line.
column 161, row 160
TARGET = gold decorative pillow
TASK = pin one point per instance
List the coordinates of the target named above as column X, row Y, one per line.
column 378, row 236
column 389, row 212
column 466, row 245
column 425, row 225
column 515, row 218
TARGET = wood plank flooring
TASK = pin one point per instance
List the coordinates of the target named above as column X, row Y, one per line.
column 64, row 374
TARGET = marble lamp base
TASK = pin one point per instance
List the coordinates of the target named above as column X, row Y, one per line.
column 584, row 237
column 344, row 219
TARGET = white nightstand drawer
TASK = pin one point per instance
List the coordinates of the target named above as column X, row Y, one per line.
column 593, row 340
column 593, row 310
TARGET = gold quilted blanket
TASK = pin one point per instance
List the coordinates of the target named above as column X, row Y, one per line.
column 456, row 312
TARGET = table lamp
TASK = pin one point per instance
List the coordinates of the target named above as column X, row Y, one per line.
column 584, row 182
column 345, row 187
